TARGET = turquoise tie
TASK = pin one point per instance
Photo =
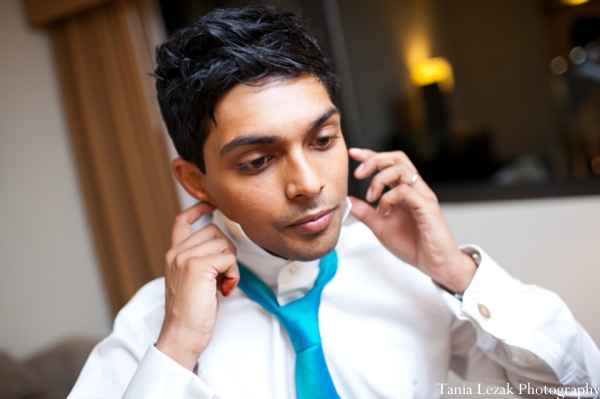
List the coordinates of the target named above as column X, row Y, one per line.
column 301, row 321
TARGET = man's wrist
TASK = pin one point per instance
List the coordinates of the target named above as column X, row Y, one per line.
column 173, row 349
column 463, row 273
column 476, row 257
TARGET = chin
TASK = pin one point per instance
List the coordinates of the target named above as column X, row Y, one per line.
column 313, row 248
column 309, row 254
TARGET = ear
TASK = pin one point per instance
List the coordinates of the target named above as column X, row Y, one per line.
column 191, row 178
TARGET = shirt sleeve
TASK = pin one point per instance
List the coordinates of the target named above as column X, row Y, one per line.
column 159, row 376
column 507, row 331
column 127, row 365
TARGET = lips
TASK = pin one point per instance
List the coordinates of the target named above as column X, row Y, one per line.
column 313, row 224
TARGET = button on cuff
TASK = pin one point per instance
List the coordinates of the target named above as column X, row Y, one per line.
column 484, row 311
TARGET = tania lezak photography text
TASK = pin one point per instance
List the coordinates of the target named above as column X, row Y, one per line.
column 522, row 389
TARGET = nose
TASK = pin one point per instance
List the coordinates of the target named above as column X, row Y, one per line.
column 302, row 179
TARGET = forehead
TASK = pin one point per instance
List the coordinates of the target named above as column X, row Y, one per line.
column 272, row 106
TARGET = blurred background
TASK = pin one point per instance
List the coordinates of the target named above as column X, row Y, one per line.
column 481, row 94
column 496, row 102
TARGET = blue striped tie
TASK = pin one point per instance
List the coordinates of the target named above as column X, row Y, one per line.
column 300, row 320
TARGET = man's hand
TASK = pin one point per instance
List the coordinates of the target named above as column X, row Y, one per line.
column 197, row 265
column 409, row 221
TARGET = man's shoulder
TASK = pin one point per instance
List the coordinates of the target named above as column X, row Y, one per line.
column 146, row 307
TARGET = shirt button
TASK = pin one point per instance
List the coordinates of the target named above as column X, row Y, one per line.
column 532, row 360
column 294, row 269
column 484, row 311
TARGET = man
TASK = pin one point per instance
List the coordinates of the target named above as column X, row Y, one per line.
column 248, row 101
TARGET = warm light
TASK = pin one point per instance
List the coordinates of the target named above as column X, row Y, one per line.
column 433, row 70
column 559, row 65
column 417, row 48
column 574, row 2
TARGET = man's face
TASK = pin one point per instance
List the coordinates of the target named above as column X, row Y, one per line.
column 277, row 164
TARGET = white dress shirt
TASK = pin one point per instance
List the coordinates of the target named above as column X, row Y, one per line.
column 388, row 332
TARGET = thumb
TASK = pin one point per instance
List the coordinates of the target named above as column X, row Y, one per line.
column 364, row 212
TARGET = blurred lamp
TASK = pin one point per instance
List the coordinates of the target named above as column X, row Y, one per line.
column 573, row 2
column 433, row 70
column 434, row 75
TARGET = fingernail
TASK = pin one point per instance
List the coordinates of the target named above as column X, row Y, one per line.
column 369, row 194
column 227, row 287
column 387, row 213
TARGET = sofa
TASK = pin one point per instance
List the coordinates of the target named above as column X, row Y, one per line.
column 49, row 374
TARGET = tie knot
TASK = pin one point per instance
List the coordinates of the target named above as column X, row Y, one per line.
column 300, row 318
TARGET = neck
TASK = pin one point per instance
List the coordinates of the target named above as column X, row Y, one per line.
column 289, row 279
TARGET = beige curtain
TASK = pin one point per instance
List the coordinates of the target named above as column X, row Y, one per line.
column 104, row 53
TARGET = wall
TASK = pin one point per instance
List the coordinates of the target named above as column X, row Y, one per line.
column 383, row 38
column 498, row 51
column 549, row 242
column 50, row 285
column 552, row 243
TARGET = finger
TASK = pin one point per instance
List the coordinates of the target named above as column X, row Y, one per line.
column 372, row 161
column 360, row 154
column 229, row 273
column 363, row 212
column 214, row 246
column 182, row 227
column 405, row 195
column 208, row 232
column 391, row 177
column 224, row 265
column 369, row 161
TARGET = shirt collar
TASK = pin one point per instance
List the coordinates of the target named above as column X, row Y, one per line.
column 288, row 279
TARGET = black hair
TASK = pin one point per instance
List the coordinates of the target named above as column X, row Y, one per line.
column 198, row 64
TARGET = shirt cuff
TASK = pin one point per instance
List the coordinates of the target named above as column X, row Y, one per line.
column 534, row 322
column 159, row 376
column 490, row 299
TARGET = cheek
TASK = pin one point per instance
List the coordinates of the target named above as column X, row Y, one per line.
column 336, row 168
column 246, row 200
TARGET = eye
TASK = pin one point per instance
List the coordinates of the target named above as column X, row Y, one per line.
column 324, row 143
column 256, row 165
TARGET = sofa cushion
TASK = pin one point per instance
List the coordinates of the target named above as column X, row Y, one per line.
column 17, row 381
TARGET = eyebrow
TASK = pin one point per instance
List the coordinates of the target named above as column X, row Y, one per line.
column 323, row 118
column 256, row 140
column 248, row 140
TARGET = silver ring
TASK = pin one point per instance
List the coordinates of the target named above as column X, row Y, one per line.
column 414, row 179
